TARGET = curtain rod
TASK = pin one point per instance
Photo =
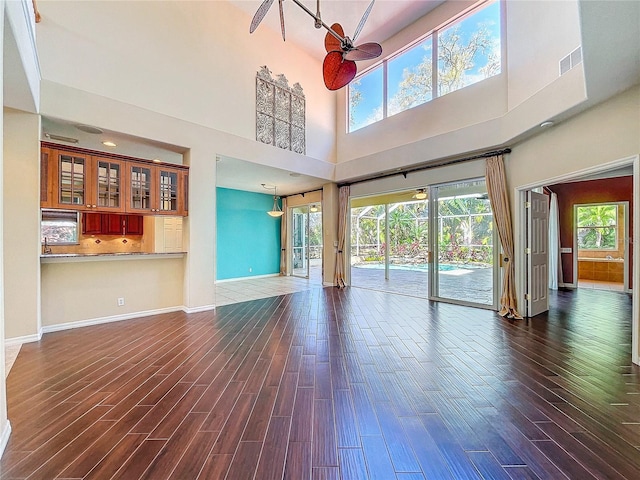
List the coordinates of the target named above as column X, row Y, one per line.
column 407, row 171
column 302, row 194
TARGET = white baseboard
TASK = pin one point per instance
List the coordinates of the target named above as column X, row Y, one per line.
column 98, row 321
column 328, row 284
column 113, row 318
column 248, row 278
column 4, row 439
column 203, row 308
column 36, row 337
column 567, row 285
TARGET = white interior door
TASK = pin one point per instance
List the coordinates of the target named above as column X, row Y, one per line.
column 537, row 253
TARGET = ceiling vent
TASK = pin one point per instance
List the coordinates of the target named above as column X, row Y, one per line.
column 570, row 61
column 60, row 138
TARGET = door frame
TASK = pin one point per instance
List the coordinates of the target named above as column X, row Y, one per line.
column 305, row 248
column 520, row 242
column 625, row 280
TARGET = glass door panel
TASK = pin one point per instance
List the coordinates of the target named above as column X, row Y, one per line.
column 72, row 180
column 463, row 244
column 168, row 191
column 109, row 184
column 140, row 184
column 300, row 241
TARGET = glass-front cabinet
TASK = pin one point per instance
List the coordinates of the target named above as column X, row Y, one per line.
column 77, row 180
column 157, row 190
column 109, row 183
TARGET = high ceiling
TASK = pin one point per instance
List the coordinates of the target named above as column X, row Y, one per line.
column 387, row 18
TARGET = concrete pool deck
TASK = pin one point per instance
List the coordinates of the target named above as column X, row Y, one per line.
column 469, row 285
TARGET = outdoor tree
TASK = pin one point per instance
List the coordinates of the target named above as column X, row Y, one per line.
column 457, row 58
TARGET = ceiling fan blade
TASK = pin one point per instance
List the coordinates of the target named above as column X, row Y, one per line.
column 260, row 13
column 363, row 20
column 336, row 71
column 366, row 51
column 281, row 17
column 331, row 43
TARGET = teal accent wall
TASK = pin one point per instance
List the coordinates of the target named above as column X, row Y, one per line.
column 247, row 238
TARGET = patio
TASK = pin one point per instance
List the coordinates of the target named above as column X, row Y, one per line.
column 470, row 285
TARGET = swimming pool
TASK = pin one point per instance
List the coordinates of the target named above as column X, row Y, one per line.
column 418, row 267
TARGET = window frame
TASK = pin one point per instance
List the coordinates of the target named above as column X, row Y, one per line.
column 62, row 215
column 434, row 34
column 615, row 228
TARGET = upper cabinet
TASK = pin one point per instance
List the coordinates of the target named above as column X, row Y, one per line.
column 157, row 190
column 87, row 181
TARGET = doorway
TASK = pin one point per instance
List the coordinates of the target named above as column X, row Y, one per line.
column 306, row 241
column 627, row 167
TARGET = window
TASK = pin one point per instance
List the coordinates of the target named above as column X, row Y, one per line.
column 468, row 51
column 365, row 99
column 59, row 227
column 597, row 227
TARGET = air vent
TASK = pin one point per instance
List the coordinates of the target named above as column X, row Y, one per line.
column 570, row 61
column 60, row 138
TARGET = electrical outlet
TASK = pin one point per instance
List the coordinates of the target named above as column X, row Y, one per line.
column 121, row 301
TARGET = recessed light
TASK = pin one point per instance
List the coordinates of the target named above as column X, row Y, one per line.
column 109, row 144
column 546, row 124
column 157, row 160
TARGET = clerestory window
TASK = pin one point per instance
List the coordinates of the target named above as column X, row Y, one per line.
column 463, row 52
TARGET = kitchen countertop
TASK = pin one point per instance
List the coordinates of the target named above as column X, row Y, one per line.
column 91, row 257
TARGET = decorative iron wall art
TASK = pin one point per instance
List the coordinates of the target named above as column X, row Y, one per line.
column 280, row 112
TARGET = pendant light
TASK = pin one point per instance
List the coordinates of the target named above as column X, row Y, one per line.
column 275, row 211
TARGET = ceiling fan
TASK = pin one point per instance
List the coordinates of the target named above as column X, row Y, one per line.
column 338, row 67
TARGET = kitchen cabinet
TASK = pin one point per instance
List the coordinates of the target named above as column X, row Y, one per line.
column 77, row 179
column 156, row 190
column 134, row 225
column 111, row 224
column 91, row 223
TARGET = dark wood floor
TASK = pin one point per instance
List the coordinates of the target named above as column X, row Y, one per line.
column 331, row 384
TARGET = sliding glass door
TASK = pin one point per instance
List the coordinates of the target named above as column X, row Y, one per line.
column 464, row 259
column 306, row 241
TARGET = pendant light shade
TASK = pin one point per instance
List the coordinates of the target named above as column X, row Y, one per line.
column 275, row 211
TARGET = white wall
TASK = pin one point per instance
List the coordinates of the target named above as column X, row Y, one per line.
column 190, row 60
column 5, row 426
column 22, row 225
column 88, row 291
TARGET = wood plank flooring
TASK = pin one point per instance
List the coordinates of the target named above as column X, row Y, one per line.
column 330, row 384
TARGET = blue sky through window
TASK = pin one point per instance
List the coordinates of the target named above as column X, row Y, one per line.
column 366, row 92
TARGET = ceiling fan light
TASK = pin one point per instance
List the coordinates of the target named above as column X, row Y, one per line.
column 420, row 194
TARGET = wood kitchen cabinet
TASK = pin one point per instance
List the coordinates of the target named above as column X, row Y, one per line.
column 111, row 224
column 156, row 190
column 77, row 179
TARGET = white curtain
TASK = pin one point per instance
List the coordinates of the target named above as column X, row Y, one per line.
column 555, row 264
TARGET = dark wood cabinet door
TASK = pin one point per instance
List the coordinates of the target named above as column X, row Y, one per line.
column 91, row 223
column 112, row 224
column 134, row 224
